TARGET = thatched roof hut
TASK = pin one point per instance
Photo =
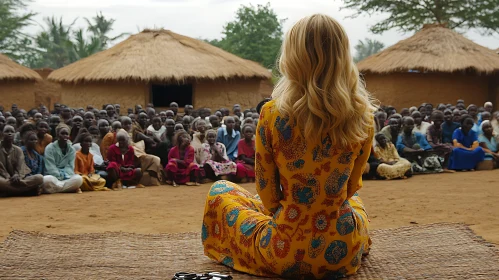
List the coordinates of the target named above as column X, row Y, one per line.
column 16, row 84
column 160, row 65
column 435, row 65
column 10, row 70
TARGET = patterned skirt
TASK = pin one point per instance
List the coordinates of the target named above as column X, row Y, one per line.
column 240, row 233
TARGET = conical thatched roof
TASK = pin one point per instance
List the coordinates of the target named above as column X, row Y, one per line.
column 159, row 55
column 436, row 49
column 9, row 70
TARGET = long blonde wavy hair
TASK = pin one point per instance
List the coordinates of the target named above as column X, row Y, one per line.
column 320, row 90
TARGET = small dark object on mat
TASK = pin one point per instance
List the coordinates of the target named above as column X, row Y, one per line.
column 437, row 251
column 202, row 276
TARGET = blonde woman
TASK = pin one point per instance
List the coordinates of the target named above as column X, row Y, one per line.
column 312, row 144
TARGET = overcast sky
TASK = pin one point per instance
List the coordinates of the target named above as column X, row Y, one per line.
column 206, row 18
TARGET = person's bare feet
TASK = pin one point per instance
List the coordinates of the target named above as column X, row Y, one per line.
column 174, row 184
column 140, row 186
column 79, row 191
column 449, row 171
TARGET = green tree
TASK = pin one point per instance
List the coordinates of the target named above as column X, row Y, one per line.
column 411, row 15
column 13, row 19
column 255, row 34
column 367, row 48
column 59, row 45
column 54, row 44
column 100, row 27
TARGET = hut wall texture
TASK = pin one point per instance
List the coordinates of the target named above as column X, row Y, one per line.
column 403, row 90
column 221, row 93
column 98, row 94
column 46, row 92
column 17, row 92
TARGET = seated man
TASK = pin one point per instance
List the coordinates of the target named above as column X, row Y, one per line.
column 13, row 170
column 414, row 147
column 229, row 137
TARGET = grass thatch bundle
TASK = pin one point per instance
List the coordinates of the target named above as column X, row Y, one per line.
column 161, row 56
column 436, row 49
column 9, row 70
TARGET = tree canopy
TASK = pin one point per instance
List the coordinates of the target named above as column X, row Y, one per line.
column 411, row 15
column 255, row 34
column 366, row 48
column 12, row 21
column 59, row 45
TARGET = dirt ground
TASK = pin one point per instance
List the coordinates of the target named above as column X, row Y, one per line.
column 470, row 198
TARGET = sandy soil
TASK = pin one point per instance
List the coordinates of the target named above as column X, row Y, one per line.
column 470, row 198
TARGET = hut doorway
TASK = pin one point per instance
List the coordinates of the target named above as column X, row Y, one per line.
column 163, row 95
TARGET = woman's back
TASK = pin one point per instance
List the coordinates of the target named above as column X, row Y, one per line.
column 312, row 145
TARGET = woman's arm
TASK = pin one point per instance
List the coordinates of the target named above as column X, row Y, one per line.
column 485, row 148
column 459, row 145
column 355, row 181
column 266, row 171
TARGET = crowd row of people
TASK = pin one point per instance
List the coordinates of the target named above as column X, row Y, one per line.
column 433, row 140
column 75, row 150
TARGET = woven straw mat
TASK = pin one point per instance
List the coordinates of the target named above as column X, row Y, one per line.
column 436, row 251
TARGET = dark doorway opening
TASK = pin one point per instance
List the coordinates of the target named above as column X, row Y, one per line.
column 163, row 95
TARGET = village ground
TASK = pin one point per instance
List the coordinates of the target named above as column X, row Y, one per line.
column 471, row 198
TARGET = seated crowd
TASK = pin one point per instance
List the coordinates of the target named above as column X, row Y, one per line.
column 432, row 140
column 76, row 150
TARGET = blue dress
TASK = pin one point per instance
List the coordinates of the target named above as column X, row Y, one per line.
column 448, row 131
column 462, row 159
column 36, row 165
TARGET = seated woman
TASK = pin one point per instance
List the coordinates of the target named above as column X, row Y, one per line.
column 214, row 159
column 246, row 155
column 60, row 164
column 310, row 223
column 84, row 166
column 488, row 142
column 467, row 152
column 434, row 135
column 15, row 177
column 143, row 147
column 44, row 138
column 198, row 140
column 414, row 147
column 121, row 169
column 181, row 167
column 391, row 165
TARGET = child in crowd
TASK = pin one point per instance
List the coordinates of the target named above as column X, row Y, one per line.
column 44, row 138
column 229, row 137
column 181, row 168
column 198, row 139
column 246, row 155
column 214, row 159
column 84, row 166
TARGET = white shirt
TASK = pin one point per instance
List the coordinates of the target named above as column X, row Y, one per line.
column 159, row 132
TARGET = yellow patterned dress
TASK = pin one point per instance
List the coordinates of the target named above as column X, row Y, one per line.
column 309, row 223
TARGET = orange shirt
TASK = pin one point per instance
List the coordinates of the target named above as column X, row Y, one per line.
column 84, row 164
column 42, row 143
column 107, row 141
